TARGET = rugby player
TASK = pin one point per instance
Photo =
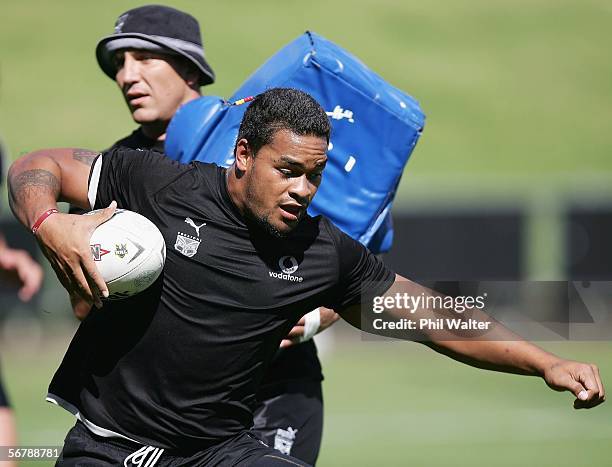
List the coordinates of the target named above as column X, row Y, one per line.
column 156, row 57
column 170, row 374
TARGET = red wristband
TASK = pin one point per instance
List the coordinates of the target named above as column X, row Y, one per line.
column 42, row 219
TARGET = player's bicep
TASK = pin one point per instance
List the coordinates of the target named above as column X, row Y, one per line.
column 55, row 172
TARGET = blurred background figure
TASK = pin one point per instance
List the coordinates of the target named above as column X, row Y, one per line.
column 157, row 59
column 18, row 267
column 18, row 270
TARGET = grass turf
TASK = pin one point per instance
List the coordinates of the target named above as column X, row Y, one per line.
column 394, row 404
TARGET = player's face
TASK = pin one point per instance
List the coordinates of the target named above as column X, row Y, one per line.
column 151, row 85
column 283, row 178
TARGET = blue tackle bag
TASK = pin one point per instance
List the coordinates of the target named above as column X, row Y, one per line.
column 375, row 128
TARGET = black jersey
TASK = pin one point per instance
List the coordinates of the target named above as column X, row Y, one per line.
column 138, row 140
column 178, row 365
column 294, row 363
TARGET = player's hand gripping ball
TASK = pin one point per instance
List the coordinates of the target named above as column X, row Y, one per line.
column 129, row 252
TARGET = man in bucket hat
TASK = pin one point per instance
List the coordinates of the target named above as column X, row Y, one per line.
column 156, row 57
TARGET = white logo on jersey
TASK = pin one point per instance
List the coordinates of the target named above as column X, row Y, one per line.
column 186, row 244
column 288, row 265
column 339, row 113
column 284, row 439
column 282, row 263
column 196, row 227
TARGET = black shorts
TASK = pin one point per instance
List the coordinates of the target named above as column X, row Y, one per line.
column 290, row 418
column 83, row 448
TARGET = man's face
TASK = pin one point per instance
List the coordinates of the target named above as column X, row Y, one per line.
column 151, row 84
column 282, row 179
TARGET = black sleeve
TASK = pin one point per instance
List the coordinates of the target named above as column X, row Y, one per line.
column 361, row 275
column 131, row 177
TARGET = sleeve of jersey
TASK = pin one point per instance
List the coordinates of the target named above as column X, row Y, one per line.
column 130, row 177
column 362, row 275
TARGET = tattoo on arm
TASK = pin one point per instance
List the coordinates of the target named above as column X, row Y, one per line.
column 85, row 156
column 31, row 184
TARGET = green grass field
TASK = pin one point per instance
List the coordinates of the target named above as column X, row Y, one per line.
column 518, row 103
column 400, row 404
column 394, row 404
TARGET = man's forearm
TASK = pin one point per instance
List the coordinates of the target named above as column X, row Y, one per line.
column 34, row 184
column 497, row 349
column 509, row 356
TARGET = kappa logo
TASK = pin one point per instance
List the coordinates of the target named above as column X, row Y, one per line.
column 288, row 265
column 284, row 439
column 97, row 251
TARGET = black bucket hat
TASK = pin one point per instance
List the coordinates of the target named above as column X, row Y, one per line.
column 160, row 29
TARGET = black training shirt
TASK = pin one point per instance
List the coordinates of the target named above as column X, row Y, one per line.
column 138, row 140
column 178, row 365
column 298, row 362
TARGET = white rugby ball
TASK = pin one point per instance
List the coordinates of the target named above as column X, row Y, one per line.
column 129, row 252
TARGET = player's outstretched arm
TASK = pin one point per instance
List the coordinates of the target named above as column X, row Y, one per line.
column 500, row 349
column 36, row 182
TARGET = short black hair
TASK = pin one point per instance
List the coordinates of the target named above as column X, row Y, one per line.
column 282, row 109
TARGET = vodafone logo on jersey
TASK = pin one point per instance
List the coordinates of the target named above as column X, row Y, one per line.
column 288, row 265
